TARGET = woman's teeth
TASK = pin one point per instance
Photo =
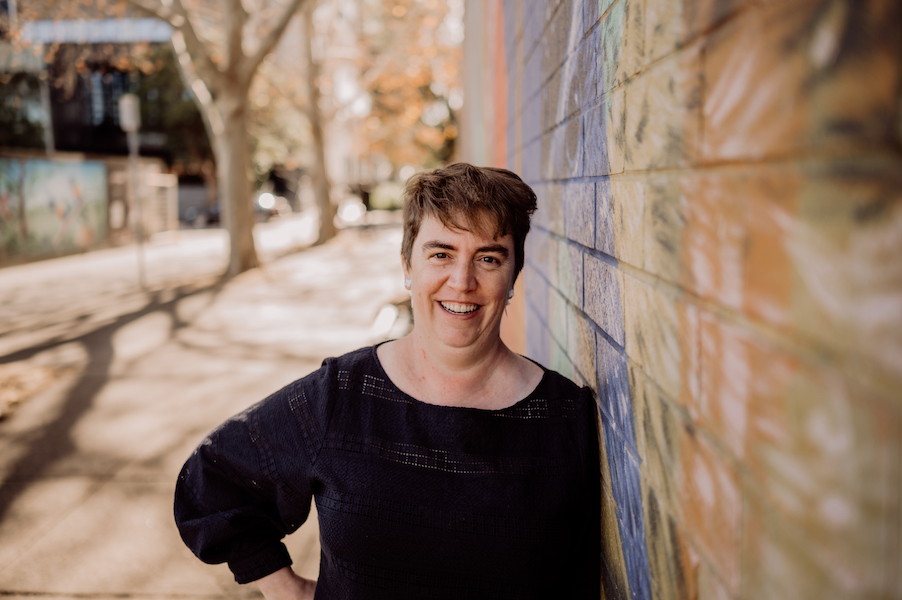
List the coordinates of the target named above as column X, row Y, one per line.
column 459, row 309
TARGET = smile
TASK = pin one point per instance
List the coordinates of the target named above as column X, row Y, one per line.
column 459, row 309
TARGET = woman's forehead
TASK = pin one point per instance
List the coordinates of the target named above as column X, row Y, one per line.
column 481, row 224
column 482, row 229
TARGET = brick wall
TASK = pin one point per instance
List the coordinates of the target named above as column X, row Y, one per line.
column 718, row 254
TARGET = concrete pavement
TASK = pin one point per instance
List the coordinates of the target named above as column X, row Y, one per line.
column 56, row 298
column 126, row 383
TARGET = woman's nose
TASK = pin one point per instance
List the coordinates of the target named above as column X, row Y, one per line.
column 463, row 277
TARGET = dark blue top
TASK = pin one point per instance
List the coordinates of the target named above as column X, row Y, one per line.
column 414, row 500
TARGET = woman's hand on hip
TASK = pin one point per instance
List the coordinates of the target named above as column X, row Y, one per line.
column 284, row 584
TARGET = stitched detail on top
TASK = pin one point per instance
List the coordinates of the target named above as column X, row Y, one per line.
column 443, row 460
column 268, row 463
column 471, row 523
column 300, row 408
column 540, row 408
column 370, row 386
column 378, row 387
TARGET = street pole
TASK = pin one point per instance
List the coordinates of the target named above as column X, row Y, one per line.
column 130, row 121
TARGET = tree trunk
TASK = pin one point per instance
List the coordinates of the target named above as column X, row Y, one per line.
column 321, row 186
column 321, row 182
column 208, row 174
column 232, row 168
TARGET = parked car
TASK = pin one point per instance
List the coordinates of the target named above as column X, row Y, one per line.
column 266, row 206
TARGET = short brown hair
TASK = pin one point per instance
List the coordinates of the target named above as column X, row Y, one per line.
column 461, row 195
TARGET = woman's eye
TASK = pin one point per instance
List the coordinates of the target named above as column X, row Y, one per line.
column 439, row 255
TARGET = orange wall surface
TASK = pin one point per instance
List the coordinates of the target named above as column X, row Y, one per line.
column 718, row 254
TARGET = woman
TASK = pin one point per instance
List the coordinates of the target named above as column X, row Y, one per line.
column 443, row 465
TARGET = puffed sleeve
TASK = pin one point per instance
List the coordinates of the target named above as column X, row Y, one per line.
column 248, row 483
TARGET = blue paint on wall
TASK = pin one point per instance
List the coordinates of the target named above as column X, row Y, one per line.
column 558, row 50
column 623, row 467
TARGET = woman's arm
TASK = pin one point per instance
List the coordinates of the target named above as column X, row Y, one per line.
column 247, row 485
column 284, row 584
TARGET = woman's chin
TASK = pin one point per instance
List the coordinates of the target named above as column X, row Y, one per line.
column 458, row 338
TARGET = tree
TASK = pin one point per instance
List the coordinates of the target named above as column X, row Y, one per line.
column 220, row 47
column 166, row 108
column 411, row 70
column 314, row 116
column 287, row 102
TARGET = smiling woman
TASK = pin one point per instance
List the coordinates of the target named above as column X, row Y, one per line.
column 443, row 465
column 459, row 283
column 461, row 257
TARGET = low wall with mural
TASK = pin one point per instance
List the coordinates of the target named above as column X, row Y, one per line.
column 50, row 207
column 717, row 254
column 65, row 204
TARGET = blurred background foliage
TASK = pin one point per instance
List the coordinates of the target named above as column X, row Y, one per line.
column 343, row 98
column 405, row 56
column 411, row 70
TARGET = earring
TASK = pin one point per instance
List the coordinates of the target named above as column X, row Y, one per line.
column 510, row 294
column 407, row 283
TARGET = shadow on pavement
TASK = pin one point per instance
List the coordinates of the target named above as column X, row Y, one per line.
column 47, row 445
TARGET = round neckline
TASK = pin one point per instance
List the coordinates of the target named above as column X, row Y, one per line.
column 530, row 396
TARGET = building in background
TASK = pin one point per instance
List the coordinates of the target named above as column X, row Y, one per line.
column 716, row 253
column 64, row 168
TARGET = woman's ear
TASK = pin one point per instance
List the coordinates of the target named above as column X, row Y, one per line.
column 406, row 269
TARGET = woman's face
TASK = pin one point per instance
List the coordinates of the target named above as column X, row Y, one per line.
column 459, row 284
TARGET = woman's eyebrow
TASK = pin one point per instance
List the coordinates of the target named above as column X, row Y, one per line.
column 437, row 245
column 496, row 248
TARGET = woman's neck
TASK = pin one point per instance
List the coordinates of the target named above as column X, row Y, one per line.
column 469, row 363
column 490, row 377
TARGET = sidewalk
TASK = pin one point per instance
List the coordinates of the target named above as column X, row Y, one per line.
column 47, row 299
column 133, row 382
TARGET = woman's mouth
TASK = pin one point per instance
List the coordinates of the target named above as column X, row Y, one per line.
column 459, row 309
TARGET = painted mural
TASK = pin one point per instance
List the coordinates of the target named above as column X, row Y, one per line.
column 556, row 279
column 51, row 207
column 12, row 221
column 716, row 254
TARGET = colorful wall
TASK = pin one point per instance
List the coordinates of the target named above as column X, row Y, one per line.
column 50, row 207
column 718, row 254
column 66, row 204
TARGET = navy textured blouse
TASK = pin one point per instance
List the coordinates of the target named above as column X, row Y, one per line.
column 414, row 500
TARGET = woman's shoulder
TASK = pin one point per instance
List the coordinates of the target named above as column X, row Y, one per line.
column 332, row 372
column 311, row 391
column 306, row 403
column 556, row 385
column 362, row 359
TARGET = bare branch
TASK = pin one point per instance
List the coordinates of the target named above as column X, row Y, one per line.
column 153, row 9
column 199, row 89
column 200, row 56
column 269, row 42
column 235, row 18
column 191, row 46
